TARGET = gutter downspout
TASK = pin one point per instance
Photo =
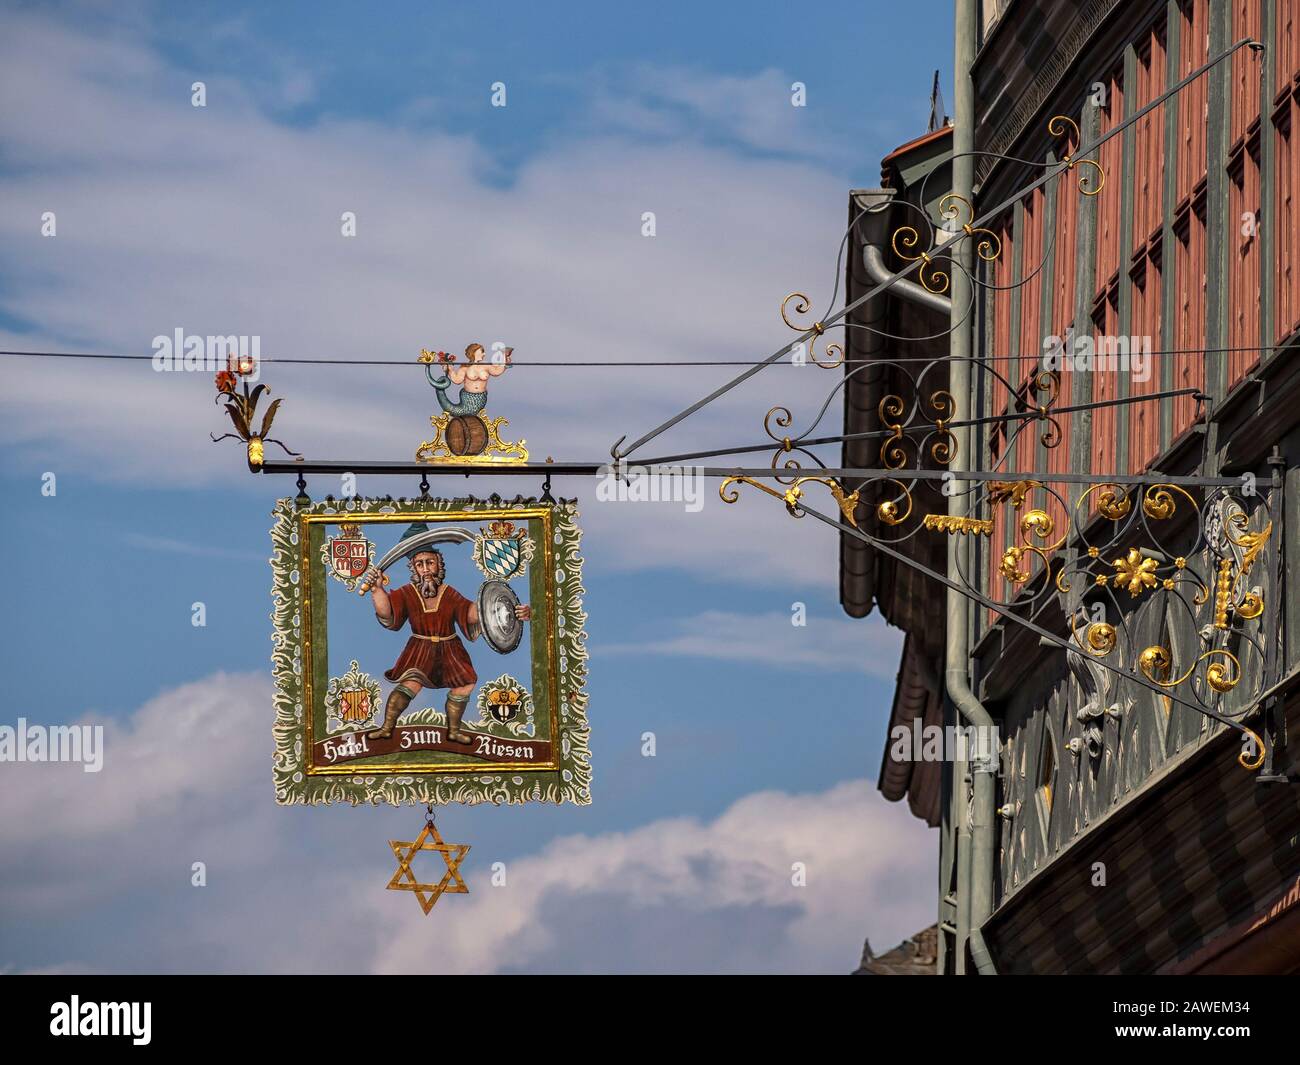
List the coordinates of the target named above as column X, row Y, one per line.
column 874, row 261
column 983, row 764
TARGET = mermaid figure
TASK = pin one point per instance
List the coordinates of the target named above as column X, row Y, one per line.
column 472, row 377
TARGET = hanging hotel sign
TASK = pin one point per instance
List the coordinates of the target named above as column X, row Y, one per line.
column 429, row 651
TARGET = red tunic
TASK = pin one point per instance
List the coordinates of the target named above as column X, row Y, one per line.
column 441, row 662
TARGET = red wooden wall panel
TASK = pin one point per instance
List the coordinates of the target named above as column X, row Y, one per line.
column 1062, row 317
column 1111, row 158
column 1110, row 253
column 1144, row 418
column 1189, row 327
column 1193, row 116
column 1003, row 348
column 1149, row 138
column 1243, row 264
column 1287, row 298
column 1286, row 116
column 1031, row 332
column 1145, row 254
column 1288, row 42
column 1244, row 196
column 1105, row 386
column 1188, row 259
column 1247, row 67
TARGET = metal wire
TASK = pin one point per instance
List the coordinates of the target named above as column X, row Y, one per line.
column 617, row 363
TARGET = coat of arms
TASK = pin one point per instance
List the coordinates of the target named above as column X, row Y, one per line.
column 351, row 701
column 501, row 551
column 349, row 554
column 505, row 704
column 355, row 704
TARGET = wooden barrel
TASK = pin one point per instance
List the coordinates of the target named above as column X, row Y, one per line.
column 466, row 434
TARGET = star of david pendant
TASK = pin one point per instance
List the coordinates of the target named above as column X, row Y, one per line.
column 405, row 880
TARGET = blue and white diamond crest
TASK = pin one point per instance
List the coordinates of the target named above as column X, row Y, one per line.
column 501, row 551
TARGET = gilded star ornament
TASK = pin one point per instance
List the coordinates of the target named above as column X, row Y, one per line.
column 428, row 894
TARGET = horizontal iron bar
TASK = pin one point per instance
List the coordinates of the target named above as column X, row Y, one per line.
column 590, row 469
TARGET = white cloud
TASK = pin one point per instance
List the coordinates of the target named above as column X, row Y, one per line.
column 172, row 546
column 770, row 638
column 225, row 220
column 150, row 789
column 693, row 895
column 755, row 110
column 188, row 777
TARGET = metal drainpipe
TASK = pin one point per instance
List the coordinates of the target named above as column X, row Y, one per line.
column 961, row 857
column 877, row 203
column 979, row 891
column 874, row 260
column 877, row 210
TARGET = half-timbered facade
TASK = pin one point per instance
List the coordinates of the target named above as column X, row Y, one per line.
column 1129, row 836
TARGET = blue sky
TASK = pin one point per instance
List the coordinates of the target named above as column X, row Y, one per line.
column 473, row 222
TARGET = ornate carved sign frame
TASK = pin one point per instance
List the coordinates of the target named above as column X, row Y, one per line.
column 507, row 624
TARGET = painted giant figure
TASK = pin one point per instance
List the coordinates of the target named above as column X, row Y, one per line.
column 434, row 656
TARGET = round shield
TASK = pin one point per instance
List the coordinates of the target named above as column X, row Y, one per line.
column 496, row 614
